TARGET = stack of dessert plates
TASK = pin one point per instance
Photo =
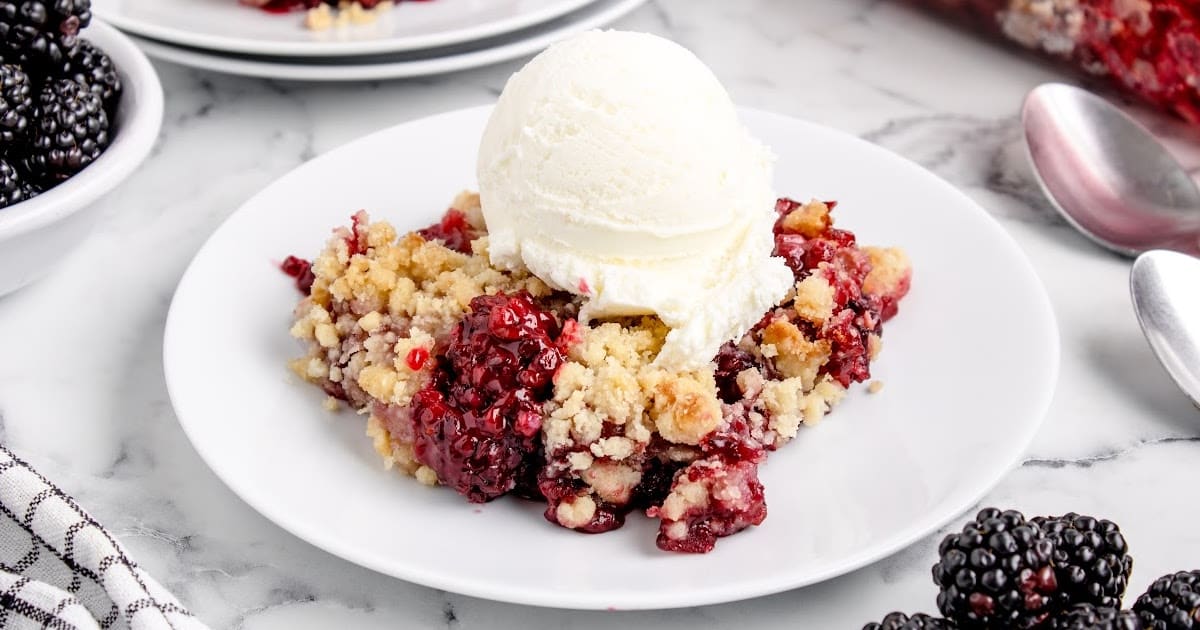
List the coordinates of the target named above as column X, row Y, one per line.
column 412, row 39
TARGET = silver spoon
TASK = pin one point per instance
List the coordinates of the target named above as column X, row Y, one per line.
column 1166, row 298
column 1107, row 175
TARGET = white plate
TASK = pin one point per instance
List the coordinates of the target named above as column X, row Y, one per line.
column 227, row 26
column 376, row 68
column 970, row 364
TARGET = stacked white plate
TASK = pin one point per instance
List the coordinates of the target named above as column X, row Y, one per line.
column 412, row 39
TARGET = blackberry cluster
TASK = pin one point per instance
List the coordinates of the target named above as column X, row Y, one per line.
column 91, row 67
column 478, row 423
column 16, row 103
column 1171, row 603
column 1069, row 572
column 1091, row 559
column 70, row 132
column 12, row 187
column 58, row 94
column 996, row 573
column 42, row 34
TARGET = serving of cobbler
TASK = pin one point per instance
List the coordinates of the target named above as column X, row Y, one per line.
column 486, row 381
column 324, row 14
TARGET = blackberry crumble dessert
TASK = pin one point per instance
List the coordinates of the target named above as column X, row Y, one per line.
column 325, row 14
column 567, row 337
column 485, row 380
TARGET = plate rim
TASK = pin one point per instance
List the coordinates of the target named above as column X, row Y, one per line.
column 746, row 589
column 230, row 44
column 596, row 15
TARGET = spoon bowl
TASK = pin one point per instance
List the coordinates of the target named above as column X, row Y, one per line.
column 1163, row 285
column 1107, row 175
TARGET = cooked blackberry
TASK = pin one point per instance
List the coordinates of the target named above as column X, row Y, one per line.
column 1093, row 617
column 1171, row 603
column 901, row 621
column 12, row 186
column 1091, row 559
column 16, row 104
column 42, row 32
column 89, row 65
column 656, row 482
column 70, row 130
column 996, row 573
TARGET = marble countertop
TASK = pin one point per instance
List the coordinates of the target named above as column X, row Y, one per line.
column 82, row 393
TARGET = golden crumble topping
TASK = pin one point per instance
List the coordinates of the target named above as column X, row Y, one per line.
column 795, row 354
column 890, row 270
column 809, row 220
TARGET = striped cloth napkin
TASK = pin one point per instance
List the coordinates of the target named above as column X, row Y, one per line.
column 61, row 569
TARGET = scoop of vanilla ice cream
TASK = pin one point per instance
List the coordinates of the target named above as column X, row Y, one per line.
column 614, row 166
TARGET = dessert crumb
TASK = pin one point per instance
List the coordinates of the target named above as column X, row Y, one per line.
column 319, row 19
column 348, row 13
column 874, row 387
column 331, row 404
column 426, row 476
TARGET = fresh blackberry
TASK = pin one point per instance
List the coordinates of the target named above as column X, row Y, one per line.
column 89, row 65
column 30, row 190
column 16, row 104
column 12, row 185
column 70, row 130
column 1091, row 559
column 996, row 573
column 901, row 621
column 1171, row 603
column 1093, row 617
column 42, row 33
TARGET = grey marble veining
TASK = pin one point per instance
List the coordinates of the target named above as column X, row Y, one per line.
column 82, row 393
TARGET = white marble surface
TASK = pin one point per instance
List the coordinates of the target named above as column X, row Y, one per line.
column 82, row 393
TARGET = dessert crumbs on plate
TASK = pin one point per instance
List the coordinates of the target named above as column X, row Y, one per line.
column 874, row 387
column 457, row 363
column 323, row 17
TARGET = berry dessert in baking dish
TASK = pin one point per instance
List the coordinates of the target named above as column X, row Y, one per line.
column 624, row 319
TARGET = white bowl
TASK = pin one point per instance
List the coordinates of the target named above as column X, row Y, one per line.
column 36, row 234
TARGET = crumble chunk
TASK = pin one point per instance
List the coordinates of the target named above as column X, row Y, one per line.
column 324, row 17
column 795, row 354
column 808, row 220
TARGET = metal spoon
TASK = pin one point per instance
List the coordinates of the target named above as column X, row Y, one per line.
column 1107, row 175
column 1167, row 302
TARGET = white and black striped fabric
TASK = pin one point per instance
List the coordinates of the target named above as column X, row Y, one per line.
column 60, row 570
